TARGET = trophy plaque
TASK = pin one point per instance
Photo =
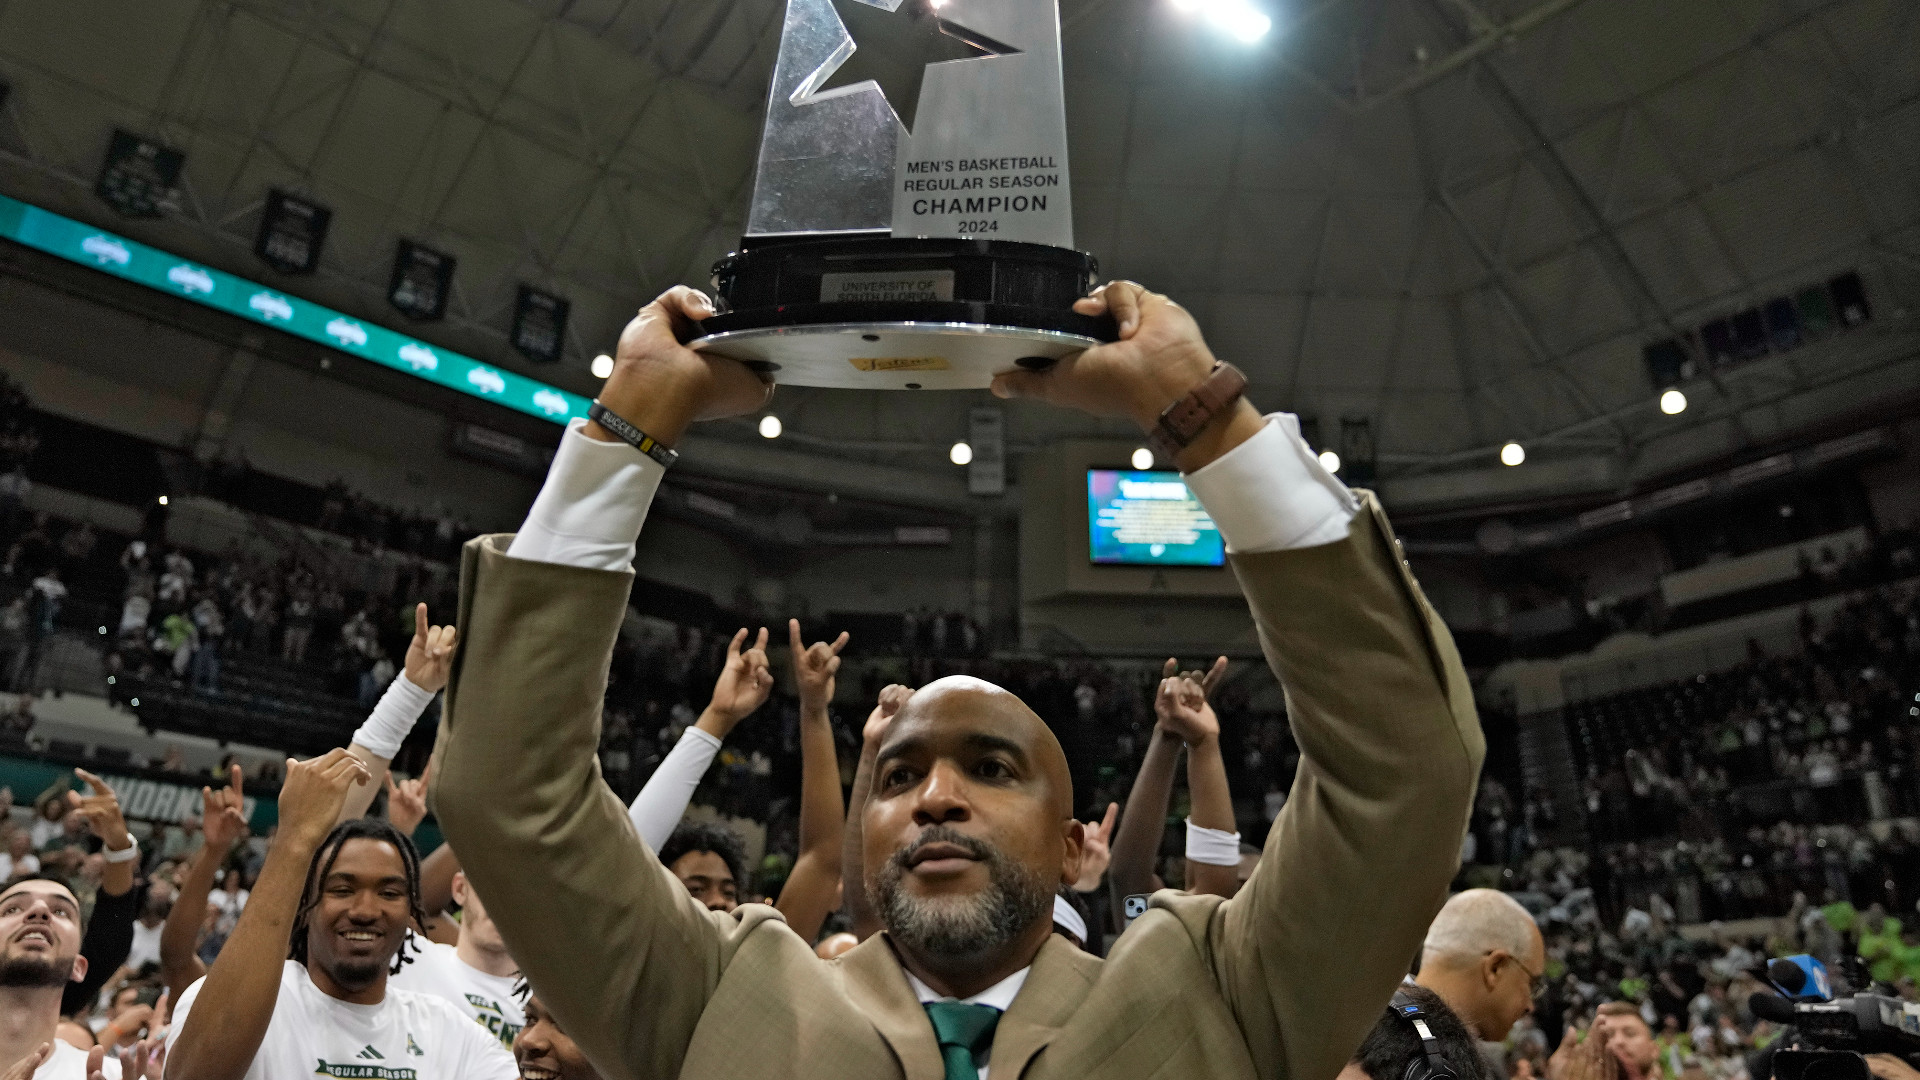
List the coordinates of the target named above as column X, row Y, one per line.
column 911, row 226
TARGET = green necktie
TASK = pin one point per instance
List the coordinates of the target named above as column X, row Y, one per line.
column 963, row 1030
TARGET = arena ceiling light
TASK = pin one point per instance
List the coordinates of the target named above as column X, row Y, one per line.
column 1673, row 403
column 1143, row 459
column 770, row 427
column 1330, row 461
column 961, row 454
column 1236, row 17
column 1512, row 454
column 602, row 366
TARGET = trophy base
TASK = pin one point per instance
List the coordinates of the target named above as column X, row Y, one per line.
column 871, row 312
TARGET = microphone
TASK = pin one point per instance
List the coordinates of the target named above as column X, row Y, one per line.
column 1772, row 1007
column 1787, row 975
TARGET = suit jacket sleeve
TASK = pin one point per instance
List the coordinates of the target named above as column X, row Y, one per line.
column 1359, row 861
column 609, row 939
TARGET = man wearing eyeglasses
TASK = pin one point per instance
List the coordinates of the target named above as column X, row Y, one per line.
column 1486, row 959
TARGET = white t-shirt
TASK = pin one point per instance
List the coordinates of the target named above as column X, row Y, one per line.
column 146, row 945
column 438, row 970
column 70, row 1063
column 408, row 1036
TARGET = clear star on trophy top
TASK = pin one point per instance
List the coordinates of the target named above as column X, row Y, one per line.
column 911, row 224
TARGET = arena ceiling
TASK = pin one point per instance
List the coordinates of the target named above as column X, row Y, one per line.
column 1457, row 220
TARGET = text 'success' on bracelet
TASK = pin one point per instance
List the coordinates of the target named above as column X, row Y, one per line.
column 638, row 439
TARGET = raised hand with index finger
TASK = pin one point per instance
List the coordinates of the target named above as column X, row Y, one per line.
column 223, row 818
column 1181, row 705
column 101, row 810
column 743, row 685
column 814, row 667
column 430, row 655
column 407, row 801
column 1096, row 851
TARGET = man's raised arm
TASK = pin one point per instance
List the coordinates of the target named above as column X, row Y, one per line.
column 1309, row 951
column 600, row 927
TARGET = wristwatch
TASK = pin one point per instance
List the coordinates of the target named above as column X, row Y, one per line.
column 1184, row 420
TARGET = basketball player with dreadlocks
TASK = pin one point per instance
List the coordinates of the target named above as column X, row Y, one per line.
column 338, row 900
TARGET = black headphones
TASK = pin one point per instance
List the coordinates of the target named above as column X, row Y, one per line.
column 1430, row 1065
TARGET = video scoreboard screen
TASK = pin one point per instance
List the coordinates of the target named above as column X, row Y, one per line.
column 1148, row 519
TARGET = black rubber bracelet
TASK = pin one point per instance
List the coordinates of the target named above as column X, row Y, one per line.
column 640, row 440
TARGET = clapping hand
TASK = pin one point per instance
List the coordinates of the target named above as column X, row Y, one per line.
column 222, row 819
column 743, row 685
column 430, row 656
column 144, row 1060
column 814, row 667
column 1096, row 852
column 25, row 1067
column 1587, row 1059
column 1181, row 705
column 407, row 801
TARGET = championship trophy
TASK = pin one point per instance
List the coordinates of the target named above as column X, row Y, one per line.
column 911, row 225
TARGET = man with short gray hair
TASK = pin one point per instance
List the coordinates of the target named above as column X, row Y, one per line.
column 1486, row 959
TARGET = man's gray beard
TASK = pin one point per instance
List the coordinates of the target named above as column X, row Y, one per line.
column 963, row 926
column 21, row 972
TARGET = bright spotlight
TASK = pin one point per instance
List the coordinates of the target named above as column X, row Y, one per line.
column 770, row 427
column 1673, row 403
column 961, row 454
column 1236, row 17
column 1242, row 22
column 163, row 500
column 602, row 366
column 1329, row 461
column 1143, row 459
column 1512, row 454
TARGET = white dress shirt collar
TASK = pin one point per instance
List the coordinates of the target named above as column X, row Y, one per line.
column 1000, row 995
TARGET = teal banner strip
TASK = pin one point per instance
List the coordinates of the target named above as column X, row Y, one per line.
column 101, row 250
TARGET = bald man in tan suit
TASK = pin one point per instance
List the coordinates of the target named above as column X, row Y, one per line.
column 969, row 828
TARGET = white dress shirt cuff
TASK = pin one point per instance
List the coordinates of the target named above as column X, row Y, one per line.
column 1271, row 493
column 590, row 510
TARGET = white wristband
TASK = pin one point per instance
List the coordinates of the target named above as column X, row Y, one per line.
column 1211, row 846
column 393, row 719
column 125, row 854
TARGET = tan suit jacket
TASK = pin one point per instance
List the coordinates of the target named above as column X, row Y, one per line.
column 1281, row 981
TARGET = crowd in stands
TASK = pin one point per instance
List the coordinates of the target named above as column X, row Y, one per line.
column 1677, row 782
column 1826, row 736
column 433, row 533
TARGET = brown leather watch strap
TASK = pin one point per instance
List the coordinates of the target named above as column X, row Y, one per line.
column 1184, row 420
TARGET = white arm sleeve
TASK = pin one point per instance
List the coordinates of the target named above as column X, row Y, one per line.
column 393, row 718
column 656, row 811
